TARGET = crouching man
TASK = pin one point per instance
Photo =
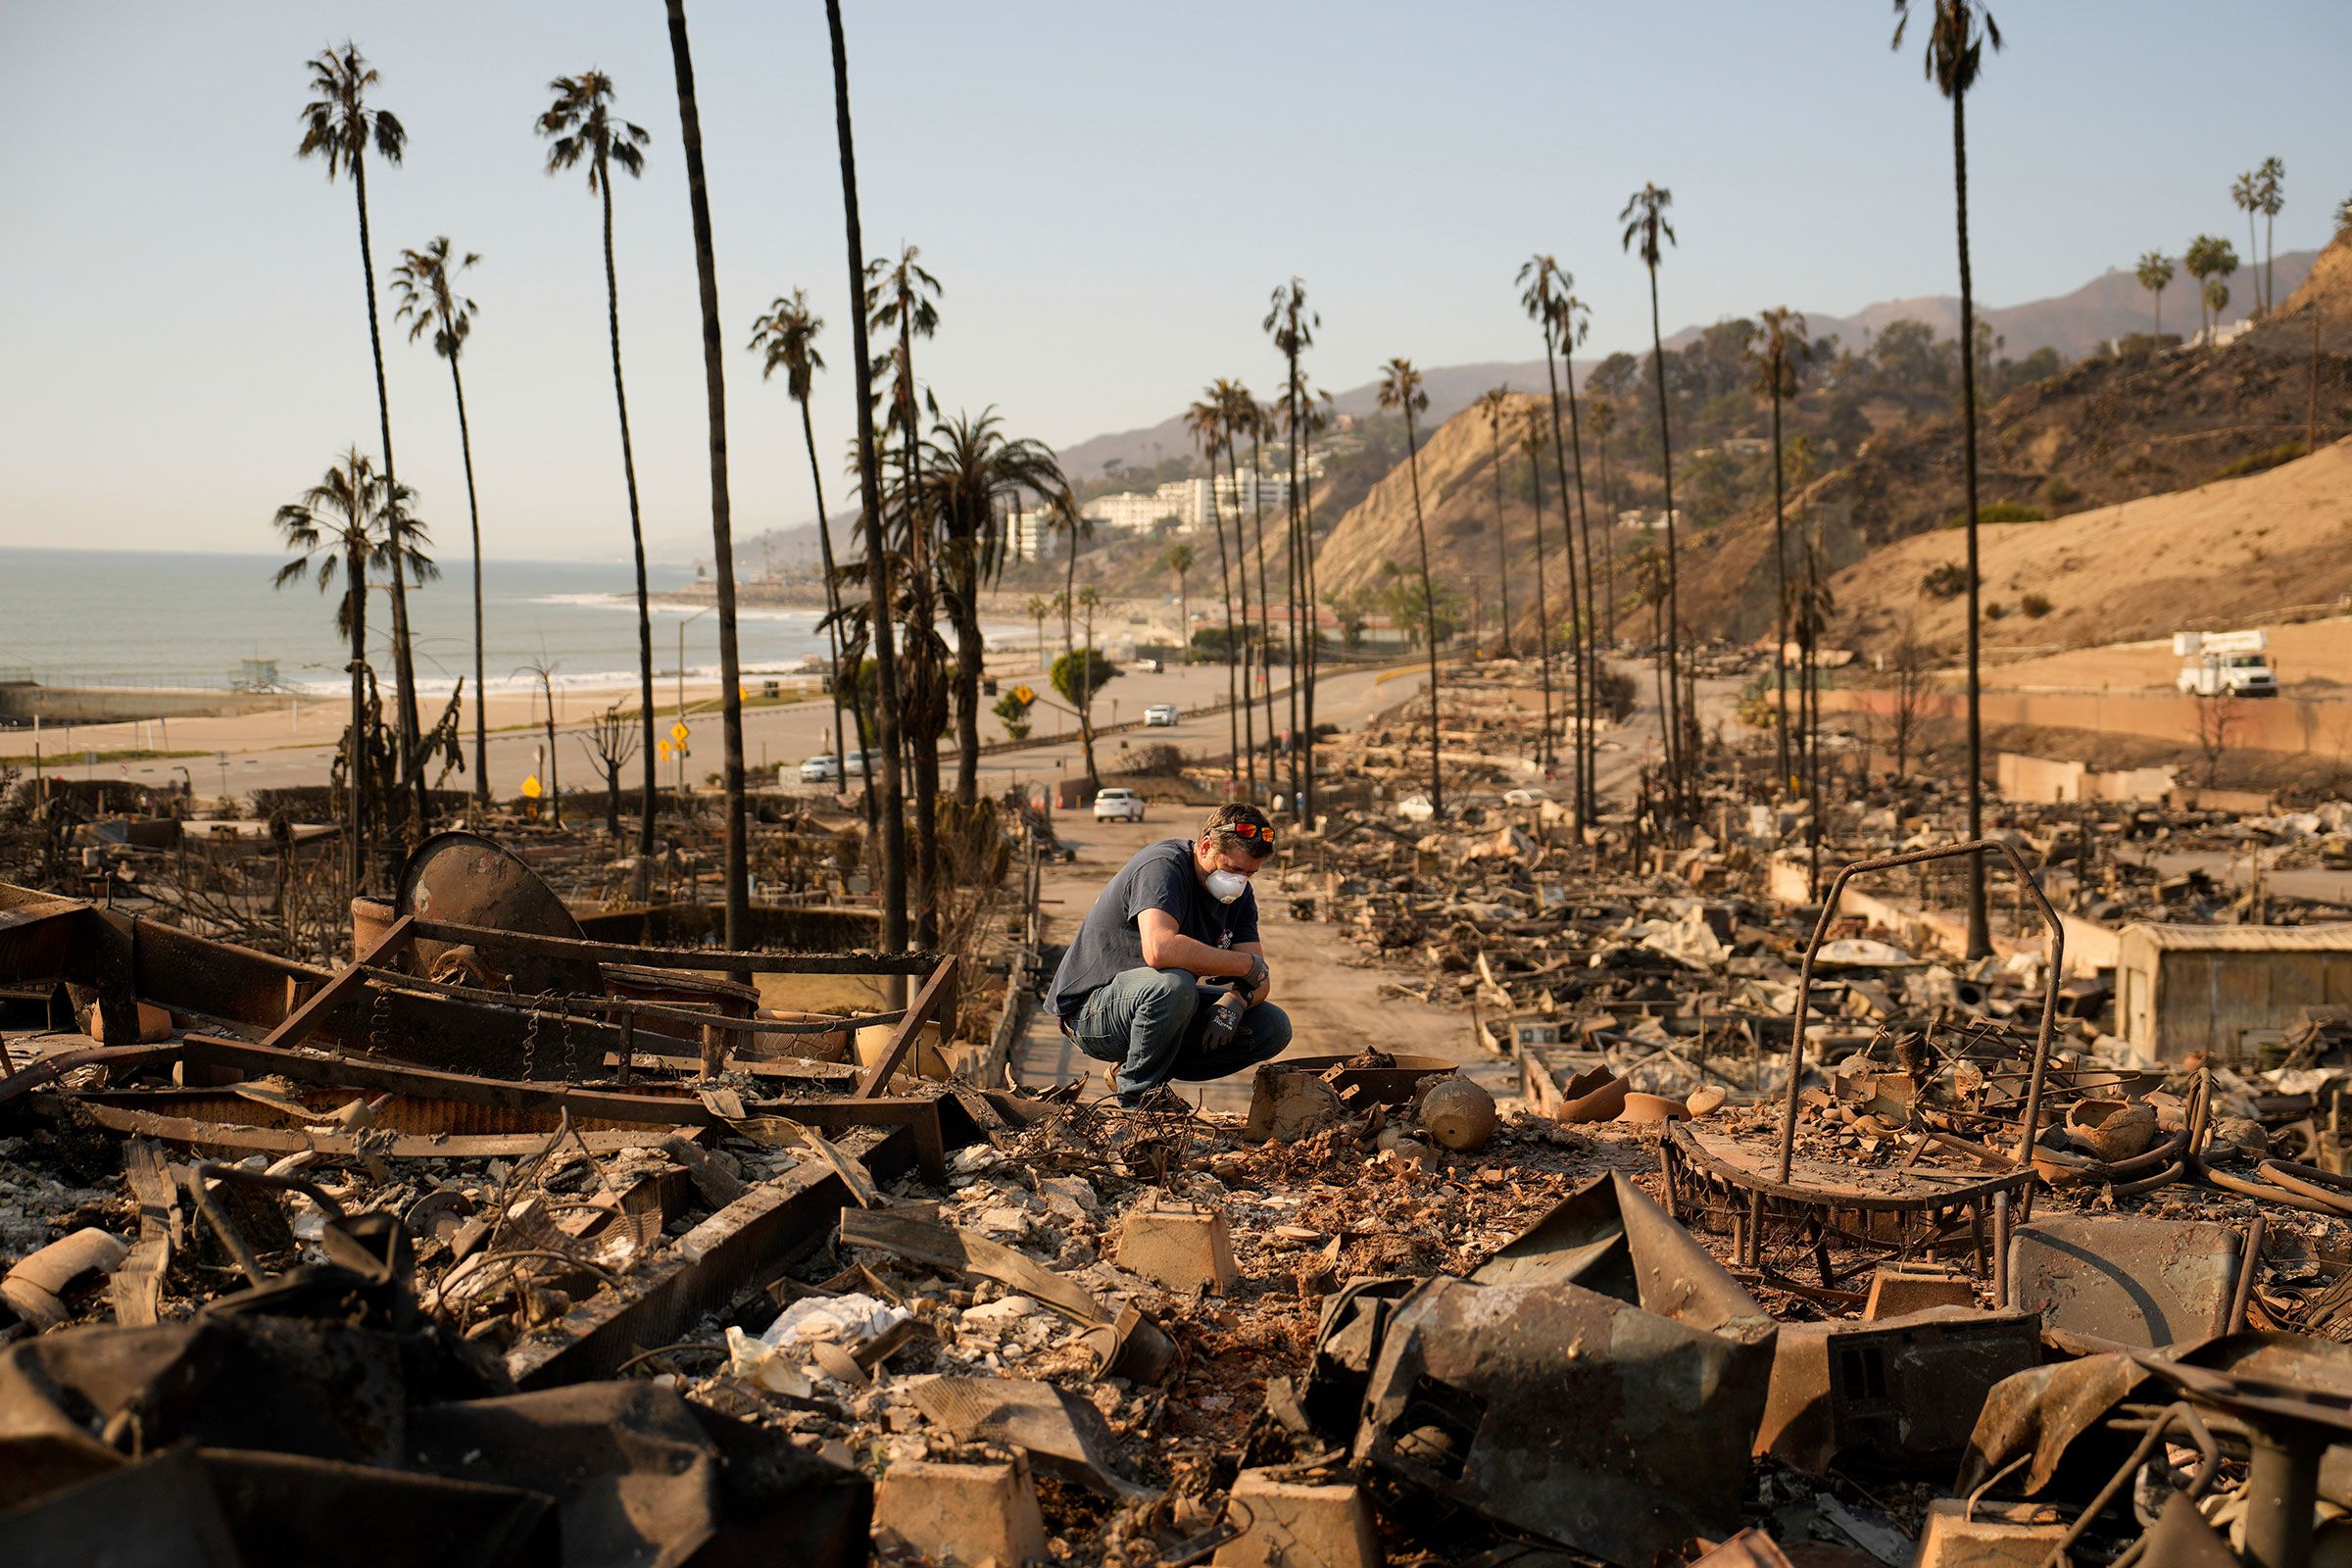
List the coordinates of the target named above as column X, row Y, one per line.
column 1171, row 933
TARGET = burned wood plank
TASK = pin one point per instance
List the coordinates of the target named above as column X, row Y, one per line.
column 754, row 1236
column 937, row 996
column 183, row 1132
column 698, row 959
column 327, row 998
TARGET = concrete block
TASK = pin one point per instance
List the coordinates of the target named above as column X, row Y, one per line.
column 1898, row 1289
column 1298, row 1523
column 968, row 1514
column 1998, row 1535
column 1183, row 1246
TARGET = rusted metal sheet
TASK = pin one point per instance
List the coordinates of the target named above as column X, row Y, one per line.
column 468, row 879
column 1567, row 1414
column 1896, row 1395
column 2125, row 1279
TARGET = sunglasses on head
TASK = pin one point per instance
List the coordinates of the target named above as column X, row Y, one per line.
column 1263, row 836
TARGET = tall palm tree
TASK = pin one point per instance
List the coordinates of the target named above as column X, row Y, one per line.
column 1400, row 389
column 1312, row 413
column 785, row 338
column 971, row 469
column 1178, row 559
column 1036, row 609
column 722, row 520
column 2246, row 194
column 1533, row 442
column 338, row 127
column 2210, row 259
column 1492, row 405
column 2273, row 201
column 350, row 520
column 1205, row 422
column 582, row 129
column 902, row 298
column 1956, row 39
column 1544, row 286
column 870, row 490
column 425, row 285
column 2156, row 276
column 1644, row 219
column 1292, row 324
column 1778, row 352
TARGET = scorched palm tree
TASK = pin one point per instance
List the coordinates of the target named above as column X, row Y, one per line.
column 1400, row 389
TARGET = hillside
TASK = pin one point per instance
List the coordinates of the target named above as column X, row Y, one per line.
column 1458, row 503
column 2221, row 555
column 2104, row 431
column 2109, row 305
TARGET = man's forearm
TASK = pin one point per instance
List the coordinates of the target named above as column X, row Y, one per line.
column 1180, row 952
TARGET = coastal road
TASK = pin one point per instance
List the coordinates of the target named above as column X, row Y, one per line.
column 788, row 733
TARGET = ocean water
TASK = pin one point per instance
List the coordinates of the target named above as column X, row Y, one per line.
column 97, row 617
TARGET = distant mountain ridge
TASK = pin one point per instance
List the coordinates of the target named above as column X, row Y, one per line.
column 2109, row 305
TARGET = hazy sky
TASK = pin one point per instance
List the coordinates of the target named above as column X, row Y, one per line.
column 1107, row 192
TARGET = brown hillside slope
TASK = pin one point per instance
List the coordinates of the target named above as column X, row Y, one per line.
column 2103, row 431
column 2222, row 554
column 1457, row 498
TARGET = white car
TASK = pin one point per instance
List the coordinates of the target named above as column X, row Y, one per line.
column 1160, row 716
column 1118, row 805
column 853, row 765
column 825, row 769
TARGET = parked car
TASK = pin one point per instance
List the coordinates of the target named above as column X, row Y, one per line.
column 825, row 769
column 1160, row 715
column 1149, row 666
column 1118, row 805
column 853, row 765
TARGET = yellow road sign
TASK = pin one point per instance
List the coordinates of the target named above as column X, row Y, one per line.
column 1024, row 694
column 678, row 732
column 530, row 787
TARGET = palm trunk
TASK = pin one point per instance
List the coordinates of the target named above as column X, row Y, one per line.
column 1429, row 617
column 969, row 656
column 1502, row 561
column 355, row 744
column 1184, row 622
column 824, row 544
column 1576, row 660
column 403, row 671
column 1587, row 746
column 1780, row 566
column 1233, row 717
column 1294, row 568
column 1240, row 561
column 645, row 614
column 1980, row 941
column 1672, row 718
column 1609, row 537
column 473, row 508
column 870, row 486
column 1265, row 601
column 722, row 522
column 922, row 621
column 1535, row 474
column 1314, row 631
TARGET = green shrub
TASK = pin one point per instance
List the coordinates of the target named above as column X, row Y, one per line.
column 2060, row 491
column 2287, row 452
column 1994, row 610
column 1947, row 581
column 2035, row 605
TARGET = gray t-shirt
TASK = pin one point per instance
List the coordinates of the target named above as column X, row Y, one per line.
column 1162, row 876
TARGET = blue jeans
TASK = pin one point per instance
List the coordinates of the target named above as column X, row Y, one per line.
column 1150, row 1022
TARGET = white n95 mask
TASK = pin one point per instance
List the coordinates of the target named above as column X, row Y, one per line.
column 1226, row 886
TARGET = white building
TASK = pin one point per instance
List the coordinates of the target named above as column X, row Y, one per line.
column 1027, row 536
column 1140, row 511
